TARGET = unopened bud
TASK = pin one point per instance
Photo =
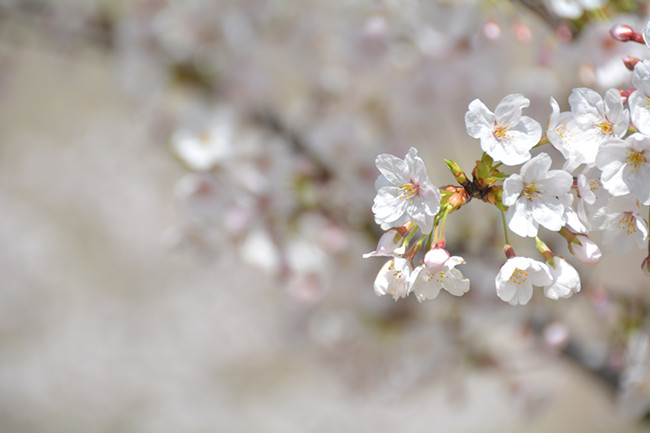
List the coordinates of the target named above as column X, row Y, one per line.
column 435, row 259
column 585, row 250
column 630, row 62
column 509, row 251
column 624, row 33
column 458, row 173
column 544, row 250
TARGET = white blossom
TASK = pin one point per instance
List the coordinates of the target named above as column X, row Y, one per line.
column 516, row 279
column 205, row 141
column 390, row 243
column 579, row 133
column 625, row 166
column 585, row 250
column 566, row 280
column 505, row 135
column 393, row 278
column 537, row 196
column 438, row 273
column 623, row 225
column 639, row 99
column 404, row 192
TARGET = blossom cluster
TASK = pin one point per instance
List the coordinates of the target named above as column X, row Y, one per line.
column 603, row 185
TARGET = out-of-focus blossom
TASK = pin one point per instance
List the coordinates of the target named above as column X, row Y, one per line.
column 205, row 142
column 623, row 225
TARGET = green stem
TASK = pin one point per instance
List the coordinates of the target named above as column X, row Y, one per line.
column 505, row 226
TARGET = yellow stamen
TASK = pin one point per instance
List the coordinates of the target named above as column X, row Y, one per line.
column 501, row 131
column 531, row 191
column 406, row 191
column 636, row 160
column 627, row 223
column 519, row 276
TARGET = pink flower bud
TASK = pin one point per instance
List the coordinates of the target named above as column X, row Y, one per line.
column 585, row 250
column 621, row 32
column 435, row 259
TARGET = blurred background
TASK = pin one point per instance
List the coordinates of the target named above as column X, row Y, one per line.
column 150, row 285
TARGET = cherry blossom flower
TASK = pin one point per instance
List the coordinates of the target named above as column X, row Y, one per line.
column 393, row 278
column 205, row 142
column 537, row 196
column 623, row 225
column 505, row 135
column 592, row 196
column 585, row 250
column 625, row 166
column 516, row 279
column 639, row 99
column 390, row 243
column 579, row 133
column 438, row 273
column 404, row 192
column 566, row 280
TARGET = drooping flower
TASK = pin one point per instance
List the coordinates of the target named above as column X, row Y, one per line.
column 436, row 273
column 390, row 243
column 579, row 133
column 623, row 225
column 592, row 196
column 393, row 278
column 505, row 135
column 516, row 279
column 566, row 280
column 585, row 250
column 537, row 196
column 626, row 166
column 404, row 192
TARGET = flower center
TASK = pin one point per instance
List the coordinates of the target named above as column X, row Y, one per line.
column 519, row 276
column 606, row 128
column 531, row 191
column 438, row 276
column 627, row 223
column 407, row 191
column 501, row 131
column 204, row 138
column 595, row 184
column 636, row 160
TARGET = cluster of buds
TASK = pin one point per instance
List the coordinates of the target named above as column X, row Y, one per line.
column 608, row 138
